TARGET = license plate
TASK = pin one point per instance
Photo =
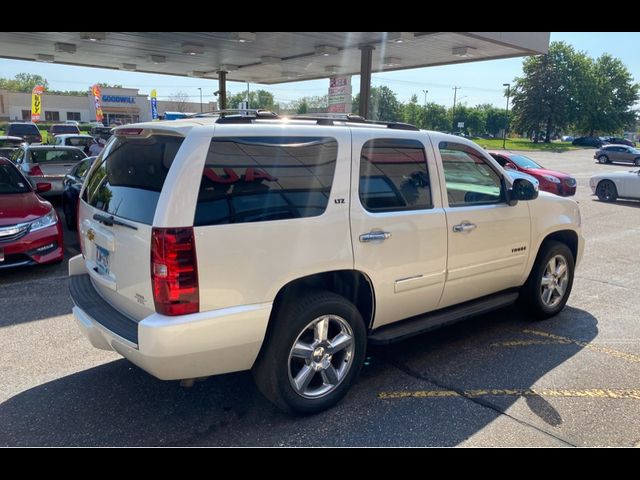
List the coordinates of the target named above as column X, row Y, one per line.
column 1, row 254
column 102, row 260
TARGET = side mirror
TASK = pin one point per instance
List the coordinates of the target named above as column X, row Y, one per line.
column 522, row 189
column 42, row 187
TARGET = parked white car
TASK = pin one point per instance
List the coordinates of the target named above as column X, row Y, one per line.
column 74, row 140
column 611, row 186
column 218, row 244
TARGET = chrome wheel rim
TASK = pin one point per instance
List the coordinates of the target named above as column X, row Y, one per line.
column 321, row 356
column 602, row 159
column 606, row 190
column 555, row 279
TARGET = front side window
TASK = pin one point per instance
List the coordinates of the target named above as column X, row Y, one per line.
column 394, row 176
column 257, row 179
column 469, row 177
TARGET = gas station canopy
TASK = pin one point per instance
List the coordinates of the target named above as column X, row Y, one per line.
column 266, row 57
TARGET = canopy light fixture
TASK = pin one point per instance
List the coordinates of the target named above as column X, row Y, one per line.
column 157, row 59
column 331, row 69
column 326, row 50
column 391, row 62
column 65, row 47
column 128, row 66
column 462, row 51
column 43, row 57
column 227, row 68
column 243, row 37
column 93, row 36
column 197, row 73
column 400, row 37
column 268, row 60
column 193, row 48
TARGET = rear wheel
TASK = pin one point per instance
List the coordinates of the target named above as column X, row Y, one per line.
column 636, row 162
column 603, row 159
column 549, row 284
column 313, row 354
column 607, row 191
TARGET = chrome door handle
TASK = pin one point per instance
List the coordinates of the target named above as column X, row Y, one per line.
column 464, row 227
column 373, row 236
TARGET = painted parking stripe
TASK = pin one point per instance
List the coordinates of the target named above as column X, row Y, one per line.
column 551, row 339
column 529, row 392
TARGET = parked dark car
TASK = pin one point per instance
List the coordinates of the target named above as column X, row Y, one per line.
column 61, row 128
column 620, row 141
column 588, row 142
column 25, row 130
column 71, row 191
column 30, row 230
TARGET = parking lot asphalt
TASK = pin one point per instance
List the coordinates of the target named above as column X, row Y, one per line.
column 496, row 380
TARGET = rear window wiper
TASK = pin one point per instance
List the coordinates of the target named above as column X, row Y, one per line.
column 110, row 221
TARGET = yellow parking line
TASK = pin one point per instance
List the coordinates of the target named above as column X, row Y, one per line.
column 522, row 343
column 609, row 351
column 529, row 392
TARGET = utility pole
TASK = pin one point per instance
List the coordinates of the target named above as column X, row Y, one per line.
column 200, row 88
column 506, row 120
column 453, row 111
column 248, row 97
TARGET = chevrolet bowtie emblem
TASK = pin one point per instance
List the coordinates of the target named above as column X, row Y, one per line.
column 91, row 234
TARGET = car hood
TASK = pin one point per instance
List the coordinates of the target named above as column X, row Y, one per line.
column 618, row 174
column 22, row 207
column 544, row 171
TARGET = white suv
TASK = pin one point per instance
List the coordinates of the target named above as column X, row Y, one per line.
column 219, row 244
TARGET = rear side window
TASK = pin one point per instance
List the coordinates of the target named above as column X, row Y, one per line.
column 257, row 179
column 394, row 176
column 130, row 175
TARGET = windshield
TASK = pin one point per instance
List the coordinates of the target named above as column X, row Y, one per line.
column 24, row 129
column 523, row 162
column 635, row 151
column 11, row 181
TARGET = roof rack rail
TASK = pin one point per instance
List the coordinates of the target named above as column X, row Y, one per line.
column 328, row 119
column 242, row 112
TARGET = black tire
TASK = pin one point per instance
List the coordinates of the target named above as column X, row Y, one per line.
column 603, row 159
column 531, row 293
column 273, row 371
column 607, row 191
column 636, row 162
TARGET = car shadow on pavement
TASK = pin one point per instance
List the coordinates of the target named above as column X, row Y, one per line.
column 119, row 404
column 624, row 203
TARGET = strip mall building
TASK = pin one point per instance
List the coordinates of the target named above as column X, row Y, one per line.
column 119, row 105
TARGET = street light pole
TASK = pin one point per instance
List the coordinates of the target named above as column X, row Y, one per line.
column 453, row 110
column 506, row 120
column 425, row 98
column 199, row 88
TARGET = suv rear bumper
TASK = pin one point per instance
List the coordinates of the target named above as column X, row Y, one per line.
column 174, row 348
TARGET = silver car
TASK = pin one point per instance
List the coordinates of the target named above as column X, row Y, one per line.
column 47, row 163
column 618, row 153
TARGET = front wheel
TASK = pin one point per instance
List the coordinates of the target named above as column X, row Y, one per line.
column 603, row 159
column 636, row 162
column 607, row 191
column 313, row 354
column 549, row 284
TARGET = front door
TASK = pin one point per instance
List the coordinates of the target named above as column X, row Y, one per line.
column 489, row 241
column 398, row 226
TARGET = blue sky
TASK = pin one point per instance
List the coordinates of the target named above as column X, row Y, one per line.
column 480, row 82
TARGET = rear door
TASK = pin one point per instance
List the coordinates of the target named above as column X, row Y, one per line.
column 125, row 184
column 398, row 225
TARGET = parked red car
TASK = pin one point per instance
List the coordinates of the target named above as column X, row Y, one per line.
column 30, row 230
column 552, row 181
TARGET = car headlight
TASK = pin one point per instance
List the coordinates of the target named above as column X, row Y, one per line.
column 551, row 178
column 45, row 221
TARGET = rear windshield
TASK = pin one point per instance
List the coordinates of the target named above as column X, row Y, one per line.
column 71, row 155
column 11, row 181
column 79, row 141
column 23, row 129
column 129, row 176
column 65, row 129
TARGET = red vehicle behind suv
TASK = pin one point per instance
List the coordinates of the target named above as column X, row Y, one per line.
column 30, row 230
column 552, row 181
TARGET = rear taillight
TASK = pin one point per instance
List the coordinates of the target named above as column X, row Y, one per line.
column 174, row 271
column 35, row 171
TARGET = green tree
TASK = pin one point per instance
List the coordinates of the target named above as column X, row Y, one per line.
column 257, row 99
column 24, row 82
column 437, row 118
column 413, row 113
column 302, row 108
column 608, row 97
column 383, row 105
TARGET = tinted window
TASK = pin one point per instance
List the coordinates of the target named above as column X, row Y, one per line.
column 253, row 179
column 78, row 141
column 11, row 181
column 82, row 168
column 130, row 176
column 56, row 156
column 57, row 129
column 394, row 176
column 23, row 129
column 470, row 179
